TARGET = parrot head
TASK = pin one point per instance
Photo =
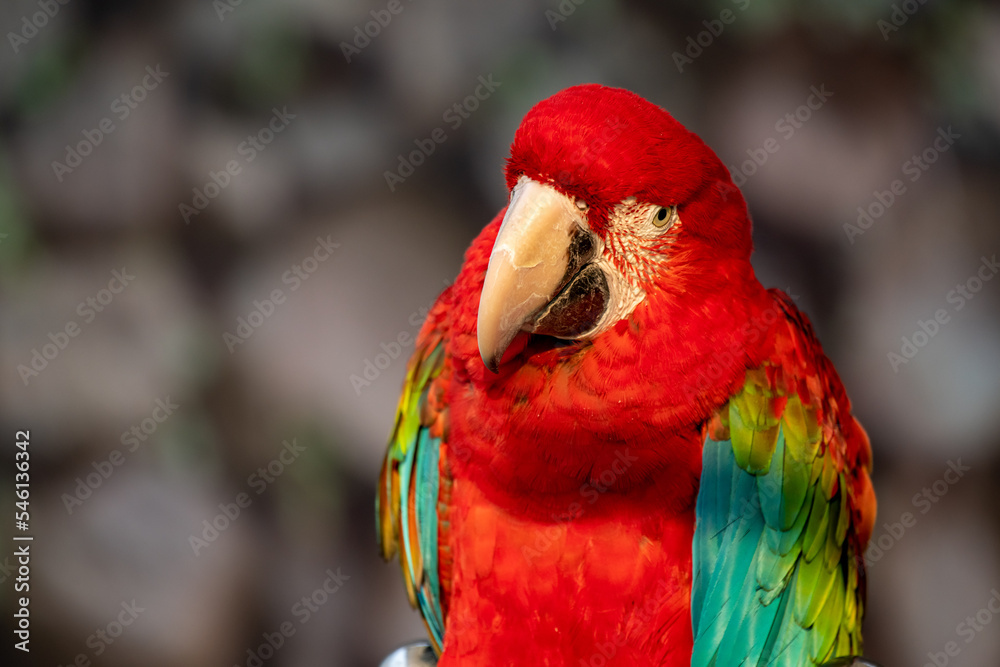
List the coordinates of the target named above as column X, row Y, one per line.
column 613, row 205
column 609, row 304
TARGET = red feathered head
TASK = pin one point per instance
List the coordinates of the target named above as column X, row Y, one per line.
column 613, row 203
column 603, row 145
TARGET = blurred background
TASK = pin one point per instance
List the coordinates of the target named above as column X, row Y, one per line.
column 218, row 220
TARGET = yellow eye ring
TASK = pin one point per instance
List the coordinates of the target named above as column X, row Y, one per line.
column 663, row 216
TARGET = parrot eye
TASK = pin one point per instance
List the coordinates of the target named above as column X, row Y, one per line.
column 582, row 205
column 663, row 217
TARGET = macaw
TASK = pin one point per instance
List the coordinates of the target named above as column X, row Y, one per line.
column 614, row 446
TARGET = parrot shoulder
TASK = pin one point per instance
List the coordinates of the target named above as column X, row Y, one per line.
column 784, row 511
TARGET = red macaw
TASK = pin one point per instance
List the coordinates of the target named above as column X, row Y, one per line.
column 614, row 446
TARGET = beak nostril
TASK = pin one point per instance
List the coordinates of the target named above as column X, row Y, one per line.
column 581, row 251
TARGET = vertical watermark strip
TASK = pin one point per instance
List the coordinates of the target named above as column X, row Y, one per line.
column 22, row 540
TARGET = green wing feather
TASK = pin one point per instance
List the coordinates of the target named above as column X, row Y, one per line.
column 406, row 506
column 783, row 513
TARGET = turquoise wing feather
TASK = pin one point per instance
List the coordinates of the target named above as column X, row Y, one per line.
column 784, row 510
column 410, row 484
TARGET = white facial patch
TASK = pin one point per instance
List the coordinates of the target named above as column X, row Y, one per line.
column 632, row 255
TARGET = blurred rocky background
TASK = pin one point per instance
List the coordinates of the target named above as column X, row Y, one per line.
column 219, row 219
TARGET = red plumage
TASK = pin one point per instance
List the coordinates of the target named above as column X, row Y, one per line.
column 569, row 477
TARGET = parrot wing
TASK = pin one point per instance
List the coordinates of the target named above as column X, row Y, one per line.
column 411, row 487
column 784, row 511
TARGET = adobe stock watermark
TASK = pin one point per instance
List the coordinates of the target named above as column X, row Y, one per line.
column 88, row 310
column 697, row 44
column 454, row 116
column 563, row 11
column 958, row 298
column 224, row 7
column 258, row 481
column 121, row 108
column 264, row 308
column 924, row 501
column 131, row 440
column 30, row 25
column 786, row 126
column 102, row 638
column 7, row 569
column 302, row 610
column 365, row 33
column 246, row 152
column 901, row 13
column 968, row 629
column 753, row 330
column 645, row 614
column 372, row 367
column 913, row 169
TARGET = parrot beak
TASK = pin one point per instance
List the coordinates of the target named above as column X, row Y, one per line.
column 539, row 278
